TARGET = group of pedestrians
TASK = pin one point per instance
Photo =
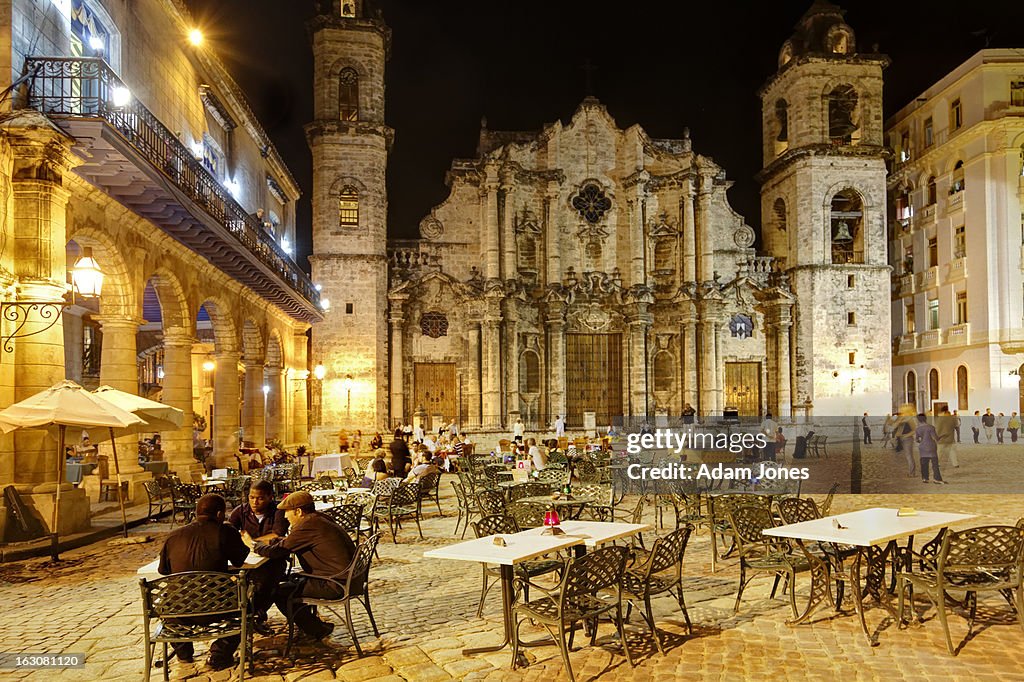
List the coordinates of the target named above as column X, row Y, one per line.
column 989, row 426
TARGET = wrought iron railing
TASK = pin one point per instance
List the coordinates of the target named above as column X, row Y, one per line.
column 87, row 88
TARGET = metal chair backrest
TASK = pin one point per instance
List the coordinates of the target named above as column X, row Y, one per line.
column 491, row 502
column 186, row 492
column 518, row 492
column 798, row 509
column 553, row 476
column 406, row 494
column 527, row 515
column 493, row 524
column 153, row 489
column 346, row 515
column 460, row 496
column 826, row 506
column 359, row 571
column 748, row 521
column 597, row 570
column 364, row 498
column 194, row 594
column 429, row 482
column 601, row 494
column 989, row 549
column 536, row 488
column 386, row 487
column 668, row 551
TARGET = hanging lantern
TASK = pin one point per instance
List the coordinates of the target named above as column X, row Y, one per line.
column 86, row 276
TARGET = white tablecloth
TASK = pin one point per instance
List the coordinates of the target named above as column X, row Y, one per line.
column 335, row 463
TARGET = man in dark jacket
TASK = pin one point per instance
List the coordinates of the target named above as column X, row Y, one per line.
column 206, row 544
column 262, row 520
column 323, row 549
column 401, row 458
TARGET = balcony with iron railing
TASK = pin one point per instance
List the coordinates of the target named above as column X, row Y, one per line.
column 178, row 193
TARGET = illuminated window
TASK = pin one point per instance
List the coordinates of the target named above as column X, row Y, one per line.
column 905, row 146
column 933, row 313
column 348, row 208
column 961, row 307
column 960, row 242
column 933, row 252
column 348, row 94
column 910, row 325
column 958, row 178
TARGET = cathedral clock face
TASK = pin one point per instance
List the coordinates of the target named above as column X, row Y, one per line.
column 741, row 326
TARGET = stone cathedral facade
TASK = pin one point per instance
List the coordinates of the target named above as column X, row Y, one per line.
column 584, row 267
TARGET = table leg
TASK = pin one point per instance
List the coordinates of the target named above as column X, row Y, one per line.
column 506, row 611
column 874, row 581
column 820, row 587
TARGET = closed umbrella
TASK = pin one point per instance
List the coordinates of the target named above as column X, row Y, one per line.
column 68, row 405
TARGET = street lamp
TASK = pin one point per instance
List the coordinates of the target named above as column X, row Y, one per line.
column 348, row 395
column 319, row 372
column 266, row 392
column 86, row 281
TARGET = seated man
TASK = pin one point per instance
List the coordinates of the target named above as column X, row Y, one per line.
column 423, row 467
column 262, row 520
column 323, row 549
column 206, row 544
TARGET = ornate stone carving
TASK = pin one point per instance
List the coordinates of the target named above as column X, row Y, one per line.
column 431, row 228
column 743, row 237
column 593, row 318
column 741, row 326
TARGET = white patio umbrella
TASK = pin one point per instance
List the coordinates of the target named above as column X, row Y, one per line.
column 157, row 416
column 67, row 405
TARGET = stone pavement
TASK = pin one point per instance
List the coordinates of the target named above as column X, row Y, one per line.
column 426, row 612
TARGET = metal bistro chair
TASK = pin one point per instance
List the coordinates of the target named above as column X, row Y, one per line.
column 349, row 517
column 467, row 507
column 184, row 497
column 495, row 524
column 490, row 502
column 581, row 596
column 221, row 600
column 982, row 559
column 799, row 509
column 759, row 553
column 527, row 515
column 353, row 583
column 403, row 504
column 368, row 501
column 157, row 498
column 429, row 490
column 652, row 578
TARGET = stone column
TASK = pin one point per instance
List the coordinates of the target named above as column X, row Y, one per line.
column 491, row 361
column 710, row 384
column 637, row 240
column 639, row 322
column 397, row 364
column 706, row 263
column 474, row 375
column 118, row 369
column 492, row 242
column 178, row 393
column 783, row 391
column 273, row 376
column 555, row 321
column 225, row 407
column 299, row 382
column 553, row 245
column 689, row 236
column 508, row 233
column 253, row 418
column 511, row 359
column 689, row 360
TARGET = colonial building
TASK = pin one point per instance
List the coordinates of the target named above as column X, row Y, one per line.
column 122, row 138
column 584, row 267
column 956, row 238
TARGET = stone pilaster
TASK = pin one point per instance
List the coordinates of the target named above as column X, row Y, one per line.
column 511, row 358
column 492, row 241
column 397, row 319
column 273, row 376
column 474, row 377
column 298, row 379
column 639, row 323
column 253, row 417
column 225, row 407
column 555, row 322
column 508, row 234
column 689, row 236
column 553, row 245
column 783, row 392
column 178, row 393
column 706, row 263
column 491, row 361
column 689, row 359
column 118, row 369
column 711, row 366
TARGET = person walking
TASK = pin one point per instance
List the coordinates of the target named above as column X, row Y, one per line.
column 866, row 428
column 559, row 426
column 976, row 425
column 890, row 421
column 988, row 422
column 904, row 433
column 1013, row 426
column 956, row 425
column 1000, row 427
column 927, row 447
column 947, row 442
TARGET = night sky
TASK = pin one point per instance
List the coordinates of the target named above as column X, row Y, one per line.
column 662, row 65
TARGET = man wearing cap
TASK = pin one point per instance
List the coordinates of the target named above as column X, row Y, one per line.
column 206, row 544
column 323, row 549
column 262, row 520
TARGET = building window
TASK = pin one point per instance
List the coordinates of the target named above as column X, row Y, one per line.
column 910, row 325
column 847, row 236
column 851, row 281
column 933, row 252
column 434, row 325
column 529, row 374
column 961, row 388
column 348, row 94
column 527, row 252
column 929, row 133
column 933, row 313
column 89, row 37
column 664, row 372
column 782, row 121
column 349, row 308
column 213, row 157
column 908, row 260
column 961, row 307
column 851, row 319
column 905, row 146
column 956, row 115
column 1017, row 93
column 958, row 183
column 852, row 357
column 842, row 107
column 904, row 208
column 933, row 385
column 591, row 203
column 931, row 191
column 960, row 242
column 911, row 388
column 664, row 255
column 348, row 208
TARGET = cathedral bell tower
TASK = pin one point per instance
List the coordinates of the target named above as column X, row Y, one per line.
column 823, row 213
column 350, row 143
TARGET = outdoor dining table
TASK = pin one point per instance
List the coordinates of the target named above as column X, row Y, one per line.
column 874, row 533
column 524, row 546
column 336, row 463
column 151, row 571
